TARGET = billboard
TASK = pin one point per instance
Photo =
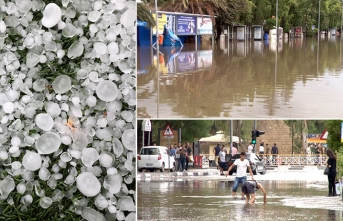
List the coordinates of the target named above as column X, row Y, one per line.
column 186, row 25
column 204, row 26
column 163, row 19
column 186, row 61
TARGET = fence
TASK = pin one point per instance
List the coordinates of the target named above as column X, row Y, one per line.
column 282, row 159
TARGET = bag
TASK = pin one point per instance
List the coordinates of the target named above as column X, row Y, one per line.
column 191, row 159
column 326, row 171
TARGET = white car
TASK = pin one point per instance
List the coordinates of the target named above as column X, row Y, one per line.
column 155, row 157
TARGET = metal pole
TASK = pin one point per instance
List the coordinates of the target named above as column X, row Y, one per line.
column 156, row 12
column 158, row 61
column 318, row 36
column 318, row 22
column 256, row 139
column 341, row 18
column 143, row 138
column 149, row 138
column 277, row 26
column 169, row 155
column 231, row 132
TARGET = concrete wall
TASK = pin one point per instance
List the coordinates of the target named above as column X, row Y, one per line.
column 276, row 132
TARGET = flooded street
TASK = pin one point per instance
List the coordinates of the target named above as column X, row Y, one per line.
column 211, row 200
column 242, row 79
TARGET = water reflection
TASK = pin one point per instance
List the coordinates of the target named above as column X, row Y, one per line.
column 210, row 200
column 242, row 79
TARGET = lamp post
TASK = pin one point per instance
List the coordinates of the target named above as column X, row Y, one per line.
column 277, row 27
column 341, row 18
column 318, row 22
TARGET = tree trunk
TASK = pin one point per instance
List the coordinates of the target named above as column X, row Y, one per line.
column 304, row 136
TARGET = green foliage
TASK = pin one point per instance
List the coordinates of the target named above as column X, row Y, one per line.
column 270, row 24
column 334, row 142
column 311, row 33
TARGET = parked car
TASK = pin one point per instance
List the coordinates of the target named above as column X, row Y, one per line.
column 155, row 157
column 256, row 164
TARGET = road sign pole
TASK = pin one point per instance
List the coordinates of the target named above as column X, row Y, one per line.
column 169, row 153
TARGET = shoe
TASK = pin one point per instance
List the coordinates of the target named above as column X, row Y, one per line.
column 243, row 198
column 334, row 195
column 222, row 174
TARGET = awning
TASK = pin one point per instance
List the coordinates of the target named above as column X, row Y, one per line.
column 142, row 23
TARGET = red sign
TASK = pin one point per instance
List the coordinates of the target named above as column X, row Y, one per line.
column 168, row 132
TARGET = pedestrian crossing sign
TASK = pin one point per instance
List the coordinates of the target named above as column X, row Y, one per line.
column 168, row 132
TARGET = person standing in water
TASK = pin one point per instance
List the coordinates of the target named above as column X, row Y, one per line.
column 249, row 188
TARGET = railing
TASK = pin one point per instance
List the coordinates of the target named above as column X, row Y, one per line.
column 281, row 159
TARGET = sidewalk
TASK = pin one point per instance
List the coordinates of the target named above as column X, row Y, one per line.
column 294, row 172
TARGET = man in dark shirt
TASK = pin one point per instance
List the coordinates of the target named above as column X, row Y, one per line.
column 189, row 153
column 275, row 151
column 216, row 151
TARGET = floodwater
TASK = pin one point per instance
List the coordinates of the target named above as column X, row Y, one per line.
column 242, row 79
column 211, row 200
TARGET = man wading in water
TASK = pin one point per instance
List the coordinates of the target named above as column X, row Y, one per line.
column 249, row 188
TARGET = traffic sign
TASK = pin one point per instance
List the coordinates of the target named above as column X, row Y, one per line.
column 168, row 132
column 146, row 125
column 324, row 135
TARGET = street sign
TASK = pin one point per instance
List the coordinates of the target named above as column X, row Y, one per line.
column 146, row 125
column 168, row 132
column 324, row 135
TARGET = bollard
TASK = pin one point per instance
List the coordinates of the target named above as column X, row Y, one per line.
column 200, row 161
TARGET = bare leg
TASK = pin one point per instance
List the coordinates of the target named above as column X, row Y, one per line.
column 233, row 193
column 247, row 199
column 252, row 198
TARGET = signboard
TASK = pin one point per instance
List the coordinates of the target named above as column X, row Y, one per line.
column 257, row 32
column 163, row 19
column 204, row 59
column 185, row 25
column 240, row 33
column 315, row 138
column 167, row 140
column 186, row 61
column 204, row 26
column 146, row 125
column 168, row 132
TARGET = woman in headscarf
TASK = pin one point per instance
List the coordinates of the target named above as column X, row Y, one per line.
column 331, row 163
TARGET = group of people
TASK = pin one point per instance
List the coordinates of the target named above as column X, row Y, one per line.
column 182, row 155
column 249, row 187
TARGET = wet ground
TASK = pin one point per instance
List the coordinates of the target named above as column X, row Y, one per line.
column 291, row 195
column 211, row 200
column 242, row 79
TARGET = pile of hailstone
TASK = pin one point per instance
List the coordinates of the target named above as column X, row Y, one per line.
column 67, row 109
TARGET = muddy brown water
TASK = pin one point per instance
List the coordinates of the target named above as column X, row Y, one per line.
column 211, row 200
column 242, row 80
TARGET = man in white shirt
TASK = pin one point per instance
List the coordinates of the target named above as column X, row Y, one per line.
column 241, row 172
column 222, row 155
column 261, row 150
column 250, row 148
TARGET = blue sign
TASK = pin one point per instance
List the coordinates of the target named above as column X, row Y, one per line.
column 186, row 25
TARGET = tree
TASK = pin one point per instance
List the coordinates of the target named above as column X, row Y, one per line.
column 334, row 142
column 144, row 14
